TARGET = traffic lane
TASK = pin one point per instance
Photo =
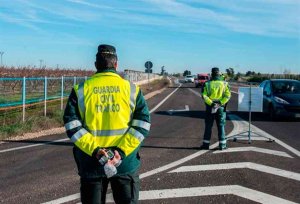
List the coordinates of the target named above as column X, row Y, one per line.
column 37, row 174
column 45, row 188
column 260, row 181
column 285, row 129
column 175, row 136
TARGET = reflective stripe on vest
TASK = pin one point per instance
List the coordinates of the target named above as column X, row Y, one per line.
column 108, row 132
column 136, row 134
column 132, row 101
column 81, row 99
column 78, row 134
column 208, row 88
column 73, row 124
column 141, row 124
column 224, row 88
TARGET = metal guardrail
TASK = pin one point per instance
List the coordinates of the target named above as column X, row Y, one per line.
column 139, row 77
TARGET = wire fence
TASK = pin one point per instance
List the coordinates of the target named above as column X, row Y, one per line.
column 21, row 98
column 19, row 94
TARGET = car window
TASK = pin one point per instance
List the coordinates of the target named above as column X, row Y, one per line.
column 267, row 88
column 286, row 87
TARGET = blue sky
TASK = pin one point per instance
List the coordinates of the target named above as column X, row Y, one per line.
column 257, row 35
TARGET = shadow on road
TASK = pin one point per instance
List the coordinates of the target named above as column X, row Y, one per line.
column 191, row 114
column 255, row 116
column 164, row 147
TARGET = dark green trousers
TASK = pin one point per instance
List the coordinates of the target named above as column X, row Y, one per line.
column 220, row 118
column 125, row 189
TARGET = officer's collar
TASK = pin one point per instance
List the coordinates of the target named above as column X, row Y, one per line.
column 216, row 78
column 106, row 70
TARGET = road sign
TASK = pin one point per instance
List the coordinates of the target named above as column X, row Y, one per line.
column 148, row 66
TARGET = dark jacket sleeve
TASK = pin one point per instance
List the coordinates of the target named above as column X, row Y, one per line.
column 141, row 113
column 72, row 113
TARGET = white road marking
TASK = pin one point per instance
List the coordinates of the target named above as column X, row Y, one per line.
column 180, row 110
column 236, row 190
column 255, row 149
column 64, row 199
column 240, row 125
column 176, row 163
column 240, row 165
column 34, row 145
column 158, row 105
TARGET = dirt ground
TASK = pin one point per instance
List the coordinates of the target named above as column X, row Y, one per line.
column 154, row 86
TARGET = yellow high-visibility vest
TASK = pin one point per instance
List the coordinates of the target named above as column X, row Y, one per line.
column 216, row 90
column 106, row 103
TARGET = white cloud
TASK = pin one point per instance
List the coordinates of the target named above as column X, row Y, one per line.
column 269, row 17
column 259, row 17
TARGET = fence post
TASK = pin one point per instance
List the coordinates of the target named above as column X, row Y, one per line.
column 45, row 96
column 62, row 93
column 24, row 97
column 74, row 83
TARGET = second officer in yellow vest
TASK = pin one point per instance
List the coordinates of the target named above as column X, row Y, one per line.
column 107, row 119
column 216, row 94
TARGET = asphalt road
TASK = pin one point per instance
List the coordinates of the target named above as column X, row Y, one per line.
column 173, row 169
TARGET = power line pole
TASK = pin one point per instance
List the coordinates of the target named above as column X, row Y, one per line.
column 1, row 53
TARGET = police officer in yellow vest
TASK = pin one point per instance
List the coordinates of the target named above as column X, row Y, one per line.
column 107, row 119
column 216, row 94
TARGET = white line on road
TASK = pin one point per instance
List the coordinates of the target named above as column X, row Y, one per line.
column 158, row 105
column 255, row 149
column 64, row 199
column 34, row 145
column 240, row 165
column 240, row 125
column 236, row 190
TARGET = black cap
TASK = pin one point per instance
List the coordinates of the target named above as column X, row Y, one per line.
column 215, row 70
column 106, row 49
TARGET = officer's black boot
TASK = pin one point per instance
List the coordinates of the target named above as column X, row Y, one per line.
column 204, row 146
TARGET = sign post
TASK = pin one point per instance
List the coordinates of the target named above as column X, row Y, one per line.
column 148, row 70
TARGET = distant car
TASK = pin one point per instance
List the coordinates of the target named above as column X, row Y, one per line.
column 201, row 79
column 281, row 97
column 189, row 79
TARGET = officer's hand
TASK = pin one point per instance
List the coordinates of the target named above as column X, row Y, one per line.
column 100, row 153
column 213, row 105
column 116, row 160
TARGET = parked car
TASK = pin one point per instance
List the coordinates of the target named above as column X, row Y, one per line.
column 189, row 79
column 281, row 97
column 201, row 79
